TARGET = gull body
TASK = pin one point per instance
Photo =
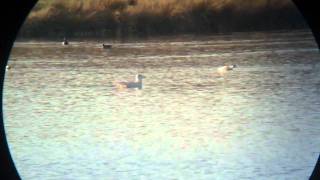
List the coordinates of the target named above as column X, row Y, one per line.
column 136, row 84
column 226, row 68
column 8, row 67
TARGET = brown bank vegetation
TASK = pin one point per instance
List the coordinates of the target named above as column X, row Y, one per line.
column 141, row 18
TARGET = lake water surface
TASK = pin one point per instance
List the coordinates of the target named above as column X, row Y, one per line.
column 64, row 119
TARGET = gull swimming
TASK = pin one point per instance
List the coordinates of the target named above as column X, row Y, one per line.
column 224, row 69
column 136, row 84
column 8, row 67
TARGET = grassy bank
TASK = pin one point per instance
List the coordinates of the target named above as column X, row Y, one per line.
column 141, row 18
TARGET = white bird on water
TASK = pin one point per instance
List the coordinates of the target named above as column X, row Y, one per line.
column 136, row 84
column 8, row 67
column 224, row 69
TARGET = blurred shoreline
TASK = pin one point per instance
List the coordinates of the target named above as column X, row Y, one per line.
column 127, row 19
column 190, row 36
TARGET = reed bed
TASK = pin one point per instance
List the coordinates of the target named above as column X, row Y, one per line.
column 144, row 18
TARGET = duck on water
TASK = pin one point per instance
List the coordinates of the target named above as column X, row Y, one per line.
column 136, row 84
column 106, row 46
column 65, row 41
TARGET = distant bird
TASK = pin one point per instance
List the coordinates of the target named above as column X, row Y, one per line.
column 136, row 84
column 106, row 46
column 224, row 69
column 65, row 41
column 8, row 67
column 227, row 68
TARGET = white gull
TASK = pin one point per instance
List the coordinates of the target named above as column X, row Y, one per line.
column 136, row 84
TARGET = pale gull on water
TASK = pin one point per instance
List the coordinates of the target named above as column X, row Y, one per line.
column 136, row 84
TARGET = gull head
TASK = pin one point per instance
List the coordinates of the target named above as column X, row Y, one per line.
column 139, row 77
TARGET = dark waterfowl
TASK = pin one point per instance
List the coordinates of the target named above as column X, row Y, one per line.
column 65, row 41
column 106, row 46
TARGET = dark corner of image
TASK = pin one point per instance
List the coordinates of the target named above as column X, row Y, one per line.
column 12, row 16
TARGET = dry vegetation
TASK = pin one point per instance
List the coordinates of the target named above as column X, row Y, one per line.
column 129, row 18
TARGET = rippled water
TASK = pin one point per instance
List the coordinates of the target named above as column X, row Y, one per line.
column 64, row 119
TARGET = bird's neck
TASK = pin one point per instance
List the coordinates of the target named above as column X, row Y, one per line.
column 138, row 80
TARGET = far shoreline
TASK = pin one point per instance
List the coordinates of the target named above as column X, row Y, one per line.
column 162, row 37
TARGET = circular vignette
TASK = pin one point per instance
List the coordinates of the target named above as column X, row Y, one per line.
column 311, row 13
column 14, row 13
